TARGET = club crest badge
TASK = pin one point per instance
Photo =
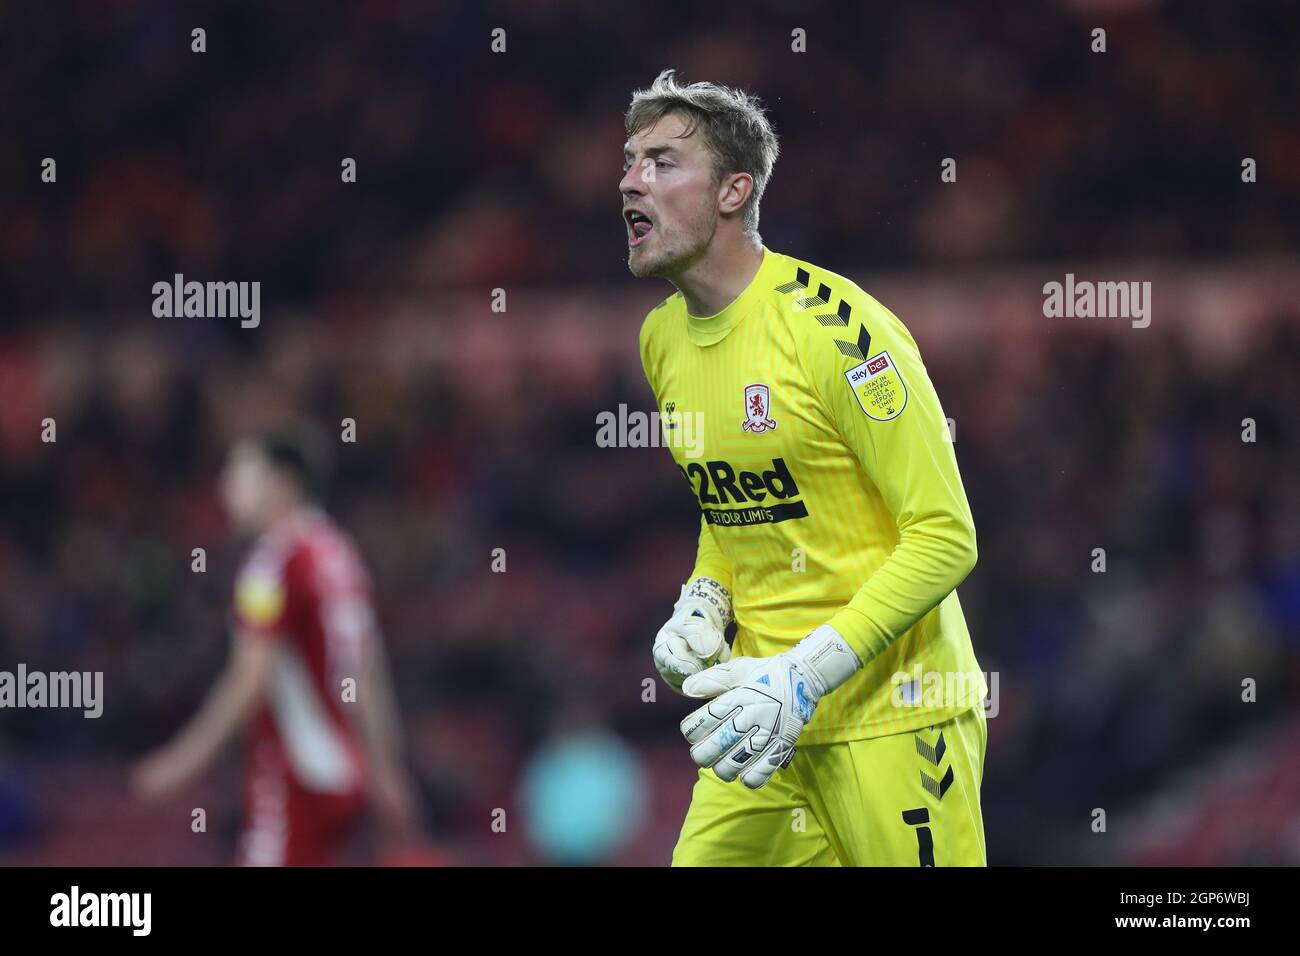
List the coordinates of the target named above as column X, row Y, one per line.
column 758, row 410
column 878, row 387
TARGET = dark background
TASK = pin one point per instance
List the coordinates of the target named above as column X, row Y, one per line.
column 476, row 429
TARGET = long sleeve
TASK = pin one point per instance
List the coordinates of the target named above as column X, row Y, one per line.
column 710, row 562
column 887, row 411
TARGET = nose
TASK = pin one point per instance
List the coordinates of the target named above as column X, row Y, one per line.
column 632, row 184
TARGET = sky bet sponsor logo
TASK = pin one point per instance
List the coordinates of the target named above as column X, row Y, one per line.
column 763, row 497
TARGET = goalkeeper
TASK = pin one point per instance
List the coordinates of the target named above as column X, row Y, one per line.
column 845, row 726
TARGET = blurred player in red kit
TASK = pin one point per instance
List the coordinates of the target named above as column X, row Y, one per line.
column 307, row 675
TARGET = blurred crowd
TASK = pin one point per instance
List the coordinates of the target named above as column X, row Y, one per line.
column 479, row 170
column 1111, row 677
column 475, row 167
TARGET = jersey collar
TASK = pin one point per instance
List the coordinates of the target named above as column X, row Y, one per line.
column 714, row 328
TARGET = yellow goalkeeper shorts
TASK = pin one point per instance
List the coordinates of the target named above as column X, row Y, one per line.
column 909, row 799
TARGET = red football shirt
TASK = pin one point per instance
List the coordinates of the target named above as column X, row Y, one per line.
column 304, row 587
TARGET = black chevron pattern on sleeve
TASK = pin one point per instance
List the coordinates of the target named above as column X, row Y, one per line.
column 839, row 319
column 801, row 278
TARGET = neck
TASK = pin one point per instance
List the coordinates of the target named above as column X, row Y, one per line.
column 717, row 278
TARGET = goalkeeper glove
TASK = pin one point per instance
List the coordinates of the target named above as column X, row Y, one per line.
column 761, row 705
column 695, row 636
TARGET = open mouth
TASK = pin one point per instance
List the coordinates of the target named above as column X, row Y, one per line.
column 638, row 227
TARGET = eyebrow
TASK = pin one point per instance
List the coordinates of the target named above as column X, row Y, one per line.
column 652, row 152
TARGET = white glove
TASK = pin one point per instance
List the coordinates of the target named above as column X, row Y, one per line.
column 695, row 637
column 761, row 705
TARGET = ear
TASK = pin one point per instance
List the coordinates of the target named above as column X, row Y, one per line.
column 733, row 192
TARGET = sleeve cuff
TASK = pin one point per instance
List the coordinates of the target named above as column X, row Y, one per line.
column 861, row 633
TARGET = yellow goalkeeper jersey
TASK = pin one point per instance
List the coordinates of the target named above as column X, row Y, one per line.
column 808, row 430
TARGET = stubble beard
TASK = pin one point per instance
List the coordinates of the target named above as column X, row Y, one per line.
column 673, row 259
